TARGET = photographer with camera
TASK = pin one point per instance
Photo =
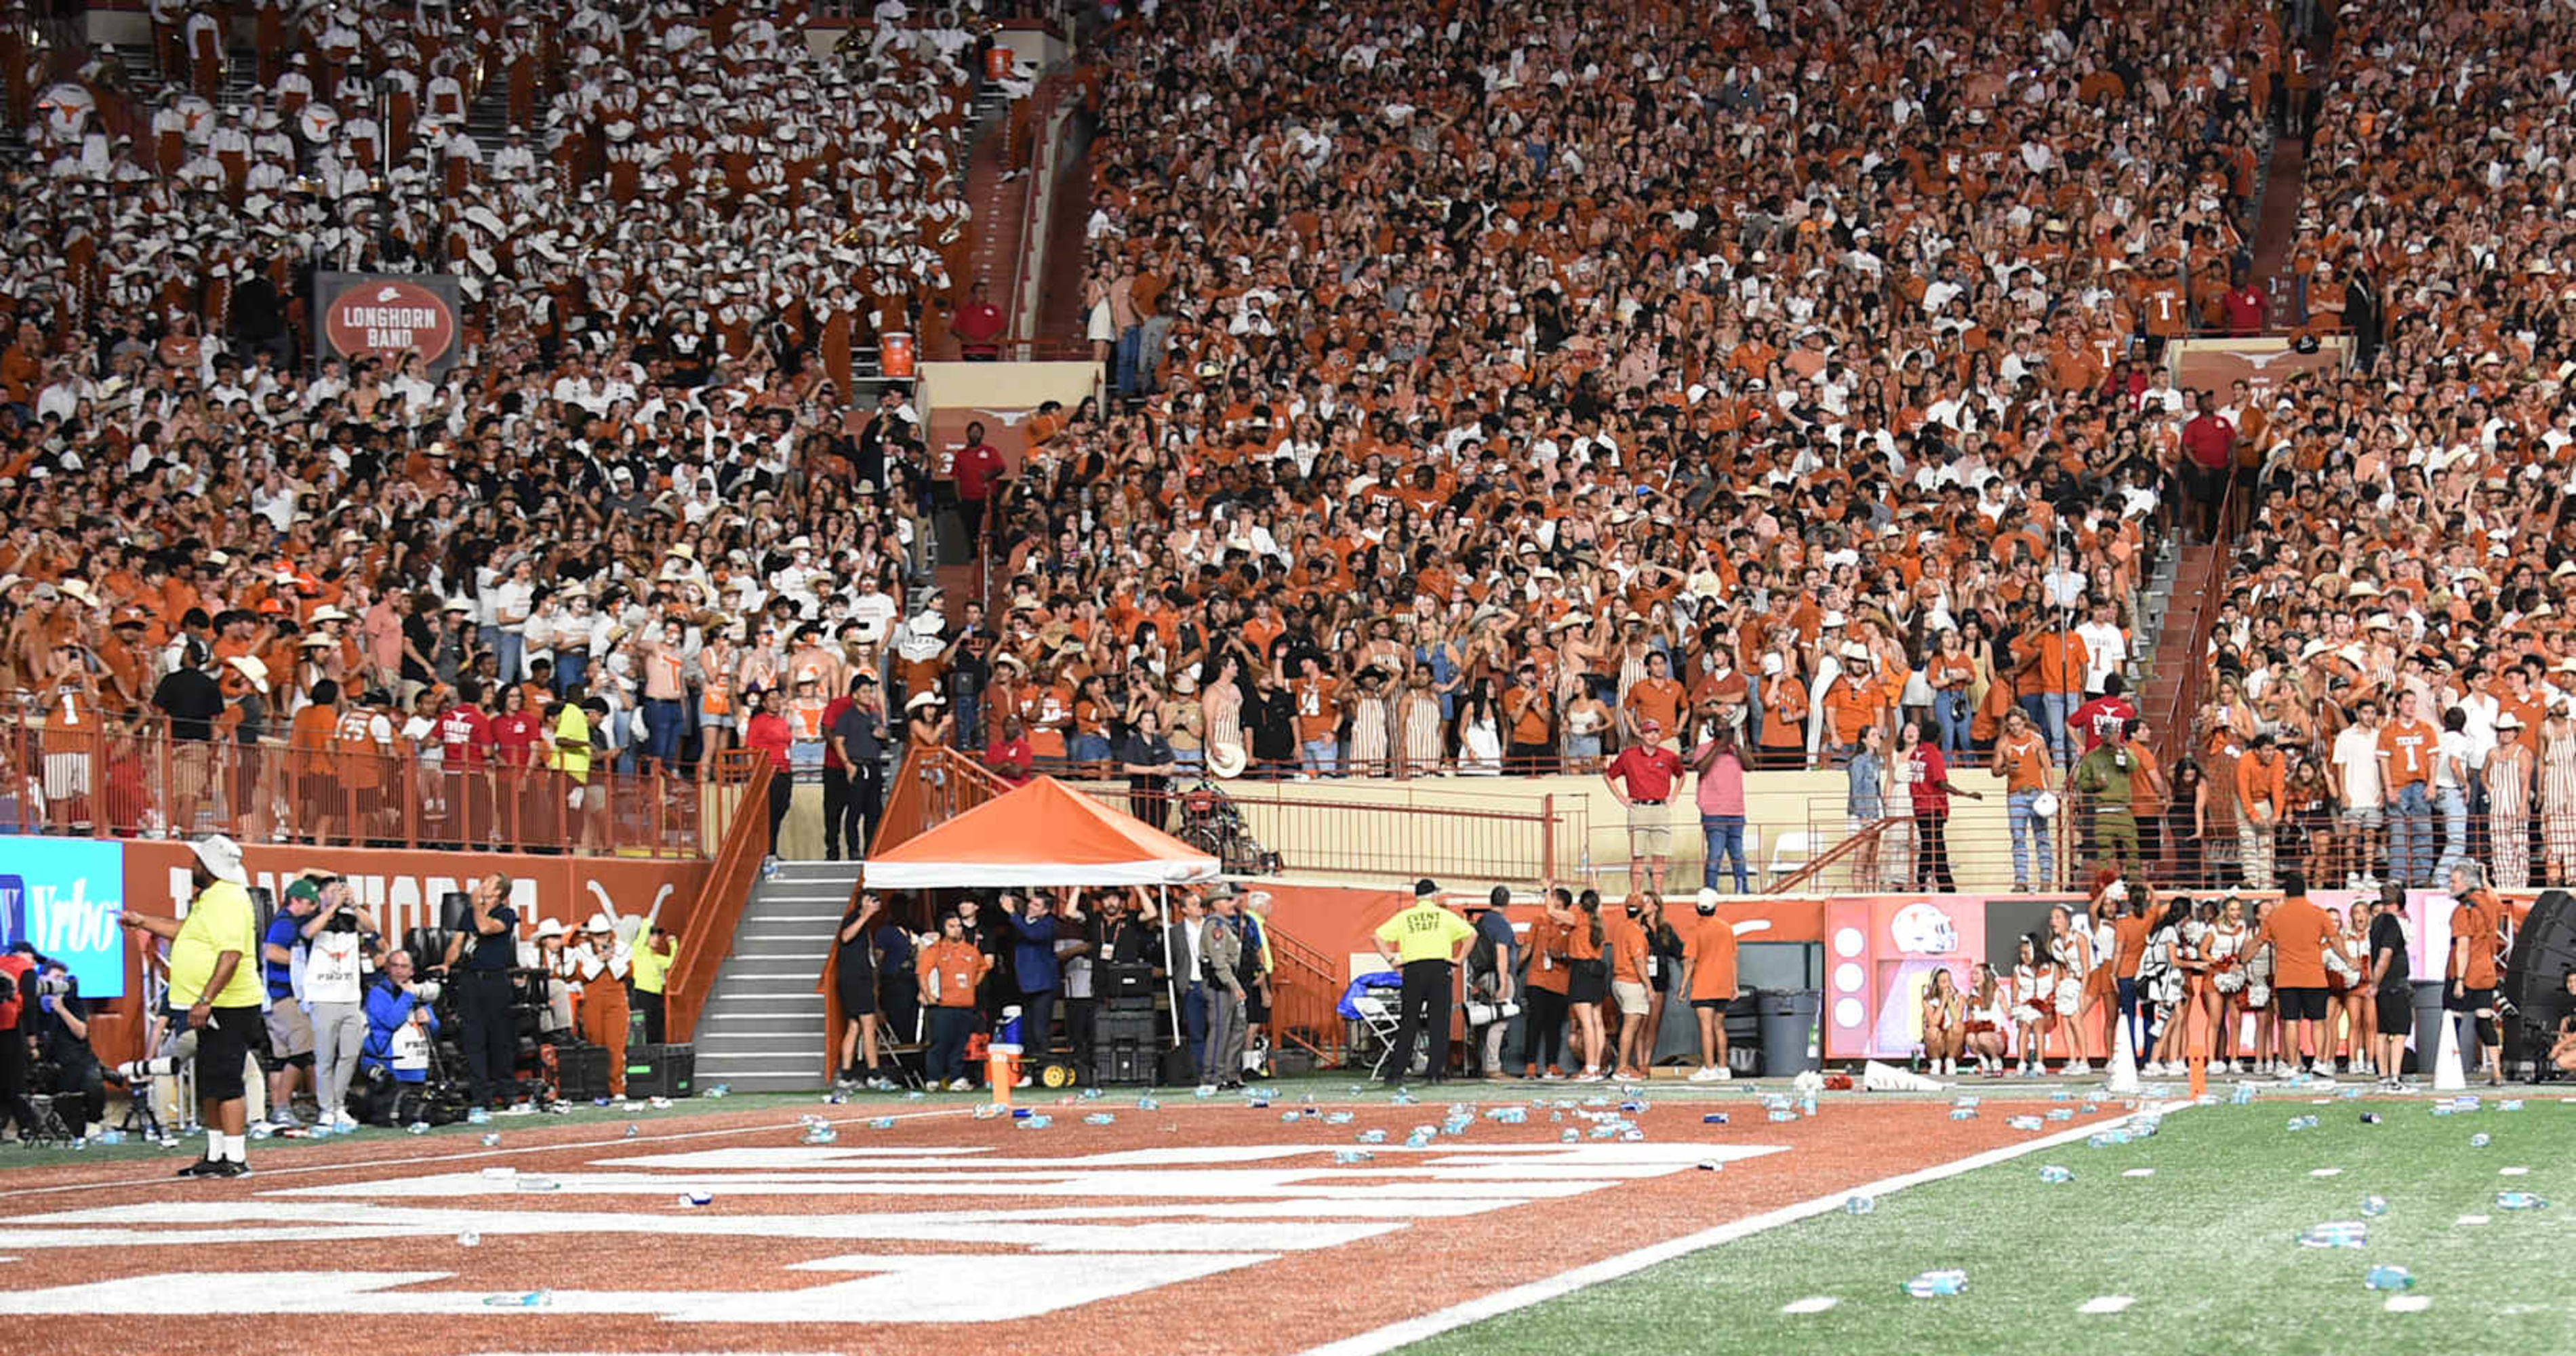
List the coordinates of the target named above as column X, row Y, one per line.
column 213, row 983
column 290, row 1027
column 401, row 1023
column 478, row 962
column 339, row 939
column 60, row 1028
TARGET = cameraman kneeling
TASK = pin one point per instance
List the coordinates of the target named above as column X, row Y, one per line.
column 400, row 1026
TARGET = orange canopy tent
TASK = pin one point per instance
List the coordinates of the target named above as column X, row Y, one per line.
column 1039, row 835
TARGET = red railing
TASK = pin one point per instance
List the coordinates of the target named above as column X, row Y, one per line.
column 124, row 779
column 1261, row 829
column 1305, row 1000
column 738, row 796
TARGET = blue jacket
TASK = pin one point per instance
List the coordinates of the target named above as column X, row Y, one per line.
column 387, row 1009
column 1033, row 958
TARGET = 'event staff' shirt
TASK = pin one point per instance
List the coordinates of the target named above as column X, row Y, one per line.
column 1425, row 932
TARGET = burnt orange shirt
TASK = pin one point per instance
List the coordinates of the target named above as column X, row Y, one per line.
column 2298, row 931
column 1710, row 948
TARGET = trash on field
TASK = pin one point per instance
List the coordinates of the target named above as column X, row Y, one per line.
column 2480, row 1140
column 2139, row 1172
column 2471, row 1221
column 2347, row 1233
column 1372, row 1137
column 2513, row 1172
column 1148, row 1104
column 1100, row 1118
column 1711, row 1165
column 528, row 1183
column 417, row 1128
column 690, row 1200
column 1860, row 1205
column 1932, row 1283
column 632, row 1130
column 2026, row 1123
column 469, row 1239
column 529, row 1299
column 821, row 1134
column 1034, row 1123
column 2520, row 1200
column 492, row 1141
column 1348, row 1156
column 1713, row 1118
column 1571, row 1136
column 2388, row 1278
column 2053, row 1174
column 2511, row 1104
column 1338, row 1117
column 1957, row 1113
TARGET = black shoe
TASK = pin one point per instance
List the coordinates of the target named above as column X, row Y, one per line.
column 203, row 1167
column 229, row 1168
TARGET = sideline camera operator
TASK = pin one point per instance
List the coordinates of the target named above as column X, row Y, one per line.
column 401, row 1023
column 61, row 1031
column 478, row 964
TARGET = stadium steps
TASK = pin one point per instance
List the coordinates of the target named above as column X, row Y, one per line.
column 2155, row 603
column 762, row 1027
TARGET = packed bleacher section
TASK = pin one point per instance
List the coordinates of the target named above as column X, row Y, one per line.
column 2396, row 622
column 1535, row 375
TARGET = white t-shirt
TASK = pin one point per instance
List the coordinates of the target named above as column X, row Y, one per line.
column 331, row 967
column 2356, row 755
column 2454, row 744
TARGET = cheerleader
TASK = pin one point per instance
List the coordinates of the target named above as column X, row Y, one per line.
column 1989, row 1008
column 1944, row 1023
column 2070, row 948
column 2359, row 1002
column 2162, row 986
column 2225, row 948
column 2035, row 1004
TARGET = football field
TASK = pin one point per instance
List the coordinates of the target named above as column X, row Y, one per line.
column 1540, row 1218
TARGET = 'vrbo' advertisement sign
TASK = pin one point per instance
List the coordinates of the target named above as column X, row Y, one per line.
column 387, row 313
column 63, row 897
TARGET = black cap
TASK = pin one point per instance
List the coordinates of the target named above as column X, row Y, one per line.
column 1425, row 887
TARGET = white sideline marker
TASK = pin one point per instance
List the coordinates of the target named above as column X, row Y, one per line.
column 2107, row 1304
column 1812, row 1304
column 2409, row 1304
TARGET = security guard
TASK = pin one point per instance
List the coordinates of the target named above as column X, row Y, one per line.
column 1428, row 940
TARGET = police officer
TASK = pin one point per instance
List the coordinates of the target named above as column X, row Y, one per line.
column 1426, row 940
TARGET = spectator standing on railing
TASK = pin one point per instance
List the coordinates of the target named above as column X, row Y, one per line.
column 1642, row 777
column 1719, row 762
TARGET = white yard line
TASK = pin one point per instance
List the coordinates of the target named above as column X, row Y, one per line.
column 1477, row 1310
column 504, row 1150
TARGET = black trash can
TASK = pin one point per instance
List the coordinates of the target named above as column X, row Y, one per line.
column 2429, row 1017
column 1788, row 1020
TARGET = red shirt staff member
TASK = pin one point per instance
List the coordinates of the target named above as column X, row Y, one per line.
column 770, row 734
column 1709, row 947
column 2208, row 462
column 2477, row 936
column 1642, row 777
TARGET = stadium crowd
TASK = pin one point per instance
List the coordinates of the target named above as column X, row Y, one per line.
column 2391, row 689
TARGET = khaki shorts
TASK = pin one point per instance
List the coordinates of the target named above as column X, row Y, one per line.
column 290, row 1030
column 1631, row 996
column 1650, row 831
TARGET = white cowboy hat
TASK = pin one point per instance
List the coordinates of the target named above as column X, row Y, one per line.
column 552, row 927
column 2044, row 805
column 79, row 591
column 222, row 857
column 599, row 922
column 920, row 700
column 1225, row 761
column 251, row 668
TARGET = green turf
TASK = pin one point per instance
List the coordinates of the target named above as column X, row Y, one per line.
column 2207, row 1247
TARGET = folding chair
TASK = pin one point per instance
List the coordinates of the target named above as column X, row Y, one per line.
column 1381, row 1012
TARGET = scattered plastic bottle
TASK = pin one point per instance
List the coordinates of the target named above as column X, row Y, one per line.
column 2303, row 1123
column 1604, row 1101
column 2098, row 1142
column 2467, row 1101
column 2243, row 1096
column 1632, row 1106
column 1957, row 1113
column 2061, row 1095
column 111, row 1138
column 1785, row 1114
column 691, row 1200
column 1512, row 1115
column 2520, row 1200
column 1347, row 1157
column 1371, row 1137
column 2374, row 1206
column 2386, row 1277
column 79, row 1144
column 1148, row 1104
column 2090, row 1107
column 720, row 1090
column 2054, row 1174
column 529, row 1299
column 1093, row 1095
column 915, row 1095
column 528, row 1183
column 469, row 1239
column 1632, row 1135
column 417, row 1128
column 881, row 1123
column 2060, row 1113
column 478, row 1116
column 2349, row 1233
column 1713, row 1118
column 2480, row 1140
column 1571, row 1136
column 1966, row 1101
column 1338, row 1117
column 2026, row 1123
column 1859, row 1205
column 1404, row 1098
column 1417, row 1140
column 1100, row 1118
column 2510, row 1104
column 1807, row 1105
column 1935, row 1283
column 1034, row 1123
column 492, row 1141
column 2444, row 1109
column 821, row 1134
column 1289, row 1118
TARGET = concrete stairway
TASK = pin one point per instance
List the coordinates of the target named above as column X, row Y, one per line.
column 762, row 1030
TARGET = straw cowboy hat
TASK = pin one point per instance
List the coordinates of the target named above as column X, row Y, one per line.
column 1226, row 761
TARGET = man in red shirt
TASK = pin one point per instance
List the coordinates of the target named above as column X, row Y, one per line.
column 465, row 744
column 2095, row 720
column 980, row 470
column 1642, row 777
column 836, row 777
column 979, row 327
column 2245, row 305
column 2208, row 460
